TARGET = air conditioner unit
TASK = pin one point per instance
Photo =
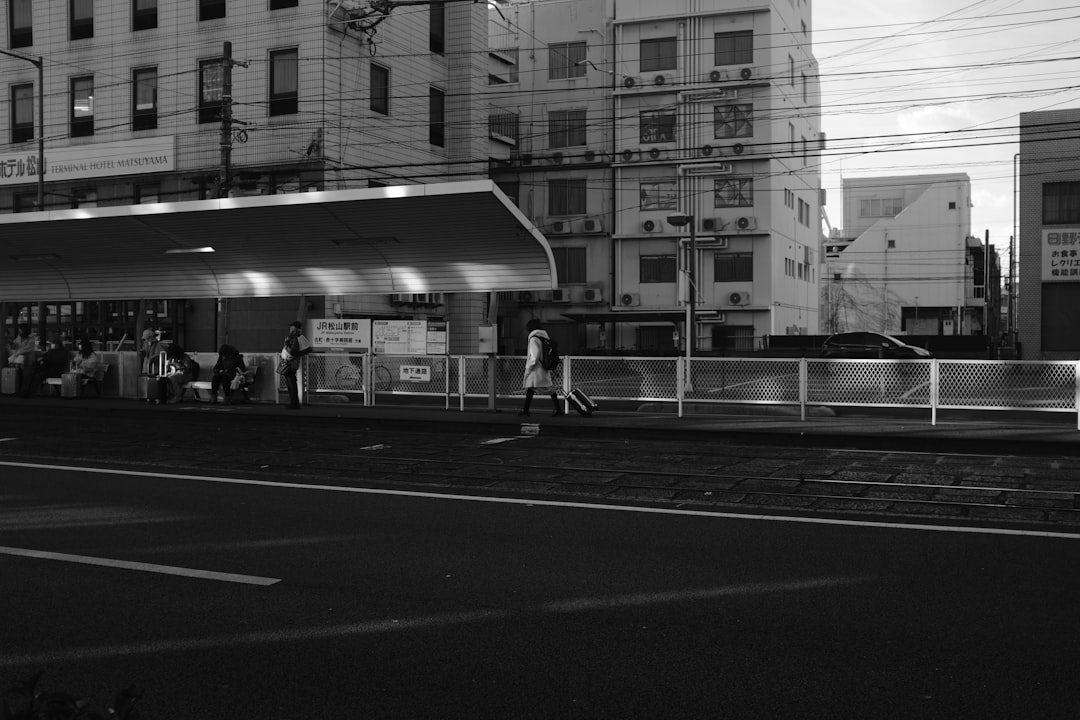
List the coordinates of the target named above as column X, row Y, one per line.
column 629, row 82
column 526, row 297
column 430, row 298
column 630, row 156
column 559, row 227
column 561, row 295
column 589, row 156
column 738, row 298
column 525, row 159
column 718, row 76
column 593, row 295
column 738, row 148
column 650, row 226
column 746, row 223
column 629, row 299
column 656, row 153
column 710, row 224
column 707, row 150
column 746, row 73
column 660, row 80
column 592, row 226
column 400, row 298
column 556, row 158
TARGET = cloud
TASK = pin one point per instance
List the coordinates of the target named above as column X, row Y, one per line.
column 938, row 118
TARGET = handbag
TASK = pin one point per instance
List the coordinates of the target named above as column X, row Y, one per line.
column 237, row 381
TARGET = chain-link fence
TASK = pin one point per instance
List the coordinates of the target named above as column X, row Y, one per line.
column 933, row 384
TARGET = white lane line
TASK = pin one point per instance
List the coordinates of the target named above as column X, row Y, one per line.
column 7, row 439
column 142, row 567
column 422, row 622
column 558, row 503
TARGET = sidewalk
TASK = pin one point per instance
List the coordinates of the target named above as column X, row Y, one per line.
column 998, row 432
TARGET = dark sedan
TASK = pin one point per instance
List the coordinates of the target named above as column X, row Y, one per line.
column 870, row 345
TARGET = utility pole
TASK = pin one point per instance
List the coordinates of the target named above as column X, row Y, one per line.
column 227, row 63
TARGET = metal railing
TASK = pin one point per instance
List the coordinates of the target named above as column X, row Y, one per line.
column 803, row 383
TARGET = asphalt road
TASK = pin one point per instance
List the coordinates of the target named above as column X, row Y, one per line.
column 336, row 601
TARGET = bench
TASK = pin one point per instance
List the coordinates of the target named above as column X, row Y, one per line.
column 95, row 380
column 196, row 385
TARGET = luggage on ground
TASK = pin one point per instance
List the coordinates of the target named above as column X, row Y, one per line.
column 11, row 381
column 69, row 385
column 581, row 402
column 157, row 389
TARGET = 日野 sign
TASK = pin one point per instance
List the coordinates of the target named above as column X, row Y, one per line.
column 1061, row 255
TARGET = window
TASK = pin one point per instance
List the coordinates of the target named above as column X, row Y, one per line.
column 733, row 192
column 143, row 14
column 211, row 9
column 282, row 4
column 803, row 82
column 210, row 89
column 734, row 48
column 804, row 212
column 791, row 70
column 82, row 198
column 80, row 19
column 437, row 117
column 657, row 127
column 82, row 107
column 659, row 195
column 1061, row 203
column 24, row 202
column 566, row 128
column 437, row 30
column 570, row 265
column 566, row 60
column 380, row 89
column 144, row 99
column 733, row 267
column 284, row 82
column 566, row 196
column 22, row 113
column 147, row 194
column 883, row 207
column 730, row 121
column 658, row 54
column 20, row 23
column 657, row 269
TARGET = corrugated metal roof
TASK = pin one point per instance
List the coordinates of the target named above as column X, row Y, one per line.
column 443, row 237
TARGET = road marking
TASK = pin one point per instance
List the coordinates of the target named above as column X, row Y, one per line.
column 142, row 567
column 7, row 439
column 388, row 625
column 556, row 503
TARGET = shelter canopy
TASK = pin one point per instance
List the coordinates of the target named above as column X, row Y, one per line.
column 442, row 237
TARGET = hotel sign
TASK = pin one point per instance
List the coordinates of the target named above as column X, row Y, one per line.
column 134, row 157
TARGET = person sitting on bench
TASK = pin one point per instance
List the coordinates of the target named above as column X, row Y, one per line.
column 51, row 364
column 229, row 365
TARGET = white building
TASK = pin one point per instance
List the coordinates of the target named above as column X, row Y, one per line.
column 905, row 261
column 610, row 117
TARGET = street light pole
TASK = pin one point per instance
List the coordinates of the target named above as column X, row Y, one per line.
column 39, row 63
column 691, row 285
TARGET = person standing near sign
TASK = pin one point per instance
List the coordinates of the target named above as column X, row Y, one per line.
column 536, row 376
column 294, row 347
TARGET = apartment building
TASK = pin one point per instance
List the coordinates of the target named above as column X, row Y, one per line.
column 608, row 119
column 906, row 261
column 146, row 101
column 1048, row 304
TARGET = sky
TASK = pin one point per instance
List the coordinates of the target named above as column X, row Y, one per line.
column 937, row 86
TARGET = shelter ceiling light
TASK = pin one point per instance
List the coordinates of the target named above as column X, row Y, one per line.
column 46, row 256
column 189, row 251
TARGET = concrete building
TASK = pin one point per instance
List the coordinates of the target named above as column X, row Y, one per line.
column 608, row 118
column 148, row 101
column 906, row 262
column 1048, row 304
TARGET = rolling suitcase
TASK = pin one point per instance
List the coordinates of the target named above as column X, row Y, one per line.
column 69, row 385
column 581, row 402
column 11, row 380
column 157, row 389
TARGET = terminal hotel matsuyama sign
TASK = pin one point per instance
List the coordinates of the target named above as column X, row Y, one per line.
column 148, row 155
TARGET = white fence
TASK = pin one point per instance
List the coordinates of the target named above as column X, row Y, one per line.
column 931, row 384
column 1050, row 386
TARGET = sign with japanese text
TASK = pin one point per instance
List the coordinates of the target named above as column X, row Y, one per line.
column 409, row 337
column 133, row 157
column 415, row 373
column 352, row 334
column 1061, row 255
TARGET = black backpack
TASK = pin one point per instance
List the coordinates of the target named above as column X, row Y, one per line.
column 549, row 354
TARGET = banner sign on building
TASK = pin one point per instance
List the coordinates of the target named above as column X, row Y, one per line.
column 132, row 157
column 1061, row 255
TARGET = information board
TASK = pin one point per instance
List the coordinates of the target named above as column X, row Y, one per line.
column 409, row 337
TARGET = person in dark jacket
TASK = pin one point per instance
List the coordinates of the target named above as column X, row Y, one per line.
column 52, row 363
column 180, row 369
column 230, row 364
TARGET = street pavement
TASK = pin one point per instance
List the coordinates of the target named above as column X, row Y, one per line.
column 1000, row 432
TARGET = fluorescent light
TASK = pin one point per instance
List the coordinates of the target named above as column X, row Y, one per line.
column 188, row 251
column 47, row 256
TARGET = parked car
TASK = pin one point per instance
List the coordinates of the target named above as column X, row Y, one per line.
column 869, row 345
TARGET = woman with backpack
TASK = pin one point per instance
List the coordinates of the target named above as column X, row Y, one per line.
column 537, row 377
